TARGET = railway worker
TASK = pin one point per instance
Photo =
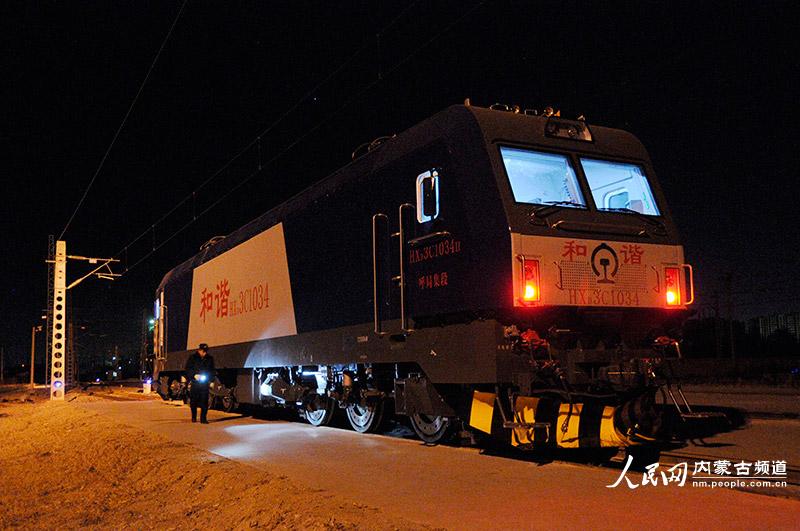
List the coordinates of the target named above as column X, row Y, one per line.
column 199, row 374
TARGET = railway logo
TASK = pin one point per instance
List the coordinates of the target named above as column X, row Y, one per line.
column 604, row 257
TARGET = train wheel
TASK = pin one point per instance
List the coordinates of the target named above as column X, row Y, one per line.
column 322, row 416
column 365, row 419
column 174, row 389
column 229, row 403
column 162, row 389
column 432, row 429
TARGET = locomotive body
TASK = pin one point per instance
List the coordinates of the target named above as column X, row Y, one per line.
column 482, row 266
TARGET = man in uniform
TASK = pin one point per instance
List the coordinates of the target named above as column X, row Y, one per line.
column 199, row 374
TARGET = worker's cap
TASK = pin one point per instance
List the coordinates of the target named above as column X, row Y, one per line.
column 203, row 346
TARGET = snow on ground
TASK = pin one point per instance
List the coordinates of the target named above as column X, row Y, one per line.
column 64, row 467
column 113, row 458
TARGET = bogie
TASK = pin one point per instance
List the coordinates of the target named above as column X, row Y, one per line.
column 433, row 429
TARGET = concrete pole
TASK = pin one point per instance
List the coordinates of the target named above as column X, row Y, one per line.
column 33, row 351
column 58, row 344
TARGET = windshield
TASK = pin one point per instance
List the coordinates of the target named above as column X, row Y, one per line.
column 619, row 186
column 542, row 178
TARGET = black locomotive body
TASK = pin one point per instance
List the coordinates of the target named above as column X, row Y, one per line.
column 506, row 270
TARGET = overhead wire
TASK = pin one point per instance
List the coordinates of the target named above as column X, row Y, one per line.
column 256, row 141
column 384, row 75
column 124, row 120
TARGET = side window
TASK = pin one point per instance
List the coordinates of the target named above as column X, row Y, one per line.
column 427, row 196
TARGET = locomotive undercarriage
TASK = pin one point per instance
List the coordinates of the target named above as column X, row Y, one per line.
column 544, row 390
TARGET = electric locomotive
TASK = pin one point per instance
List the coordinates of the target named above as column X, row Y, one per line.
column 516, row 273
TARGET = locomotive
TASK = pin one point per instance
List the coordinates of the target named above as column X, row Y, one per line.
column 513, row 273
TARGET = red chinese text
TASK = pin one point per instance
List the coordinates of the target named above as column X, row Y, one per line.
column 572, row 249
column 221, row 297
column 436, row 280
column 631, row 254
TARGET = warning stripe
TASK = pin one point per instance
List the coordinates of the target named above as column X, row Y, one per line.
column 482, row 411
column 567, row 427
column 576, row 425
column 525, row 411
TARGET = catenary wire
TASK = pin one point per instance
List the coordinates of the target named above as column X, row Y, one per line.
column 270, row 127
column 302, row 137
column 124, row 120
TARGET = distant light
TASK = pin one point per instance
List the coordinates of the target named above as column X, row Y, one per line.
column 148, row 381
column 57, row 384
column 152, row 321
column 672, row 297
column 97, row 379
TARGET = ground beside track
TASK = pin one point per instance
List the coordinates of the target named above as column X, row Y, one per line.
column 240, row 472
column 757, row 400
column 63, row 466
column 457, row 488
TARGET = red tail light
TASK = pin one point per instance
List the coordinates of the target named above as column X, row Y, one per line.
column 672, row 277
column 530, row 282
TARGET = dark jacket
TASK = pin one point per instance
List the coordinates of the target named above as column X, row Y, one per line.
column 200, row 365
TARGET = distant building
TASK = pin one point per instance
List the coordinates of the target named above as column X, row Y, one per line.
column 790, row 322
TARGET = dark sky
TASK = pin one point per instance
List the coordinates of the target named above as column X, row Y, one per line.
column 706, row 86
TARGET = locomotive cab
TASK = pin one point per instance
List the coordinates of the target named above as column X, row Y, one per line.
column 591, row 235
column 562, row 226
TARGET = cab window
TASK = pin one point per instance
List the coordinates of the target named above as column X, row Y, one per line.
column 617, row 186
column 541, row 178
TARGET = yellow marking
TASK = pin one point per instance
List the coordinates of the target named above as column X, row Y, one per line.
column 568, row 439
column 480, row 416
column 610, row 436
column 525, row 409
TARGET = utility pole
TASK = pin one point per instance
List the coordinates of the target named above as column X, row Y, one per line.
column 58, row 366
column 143, row 347
column 59, row 303
column 48, row 335
column 2, row 364
column 34, row 329
column 33, row 351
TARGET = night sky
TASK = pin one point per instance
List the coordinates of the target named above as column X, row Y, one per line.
column 706, row 87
